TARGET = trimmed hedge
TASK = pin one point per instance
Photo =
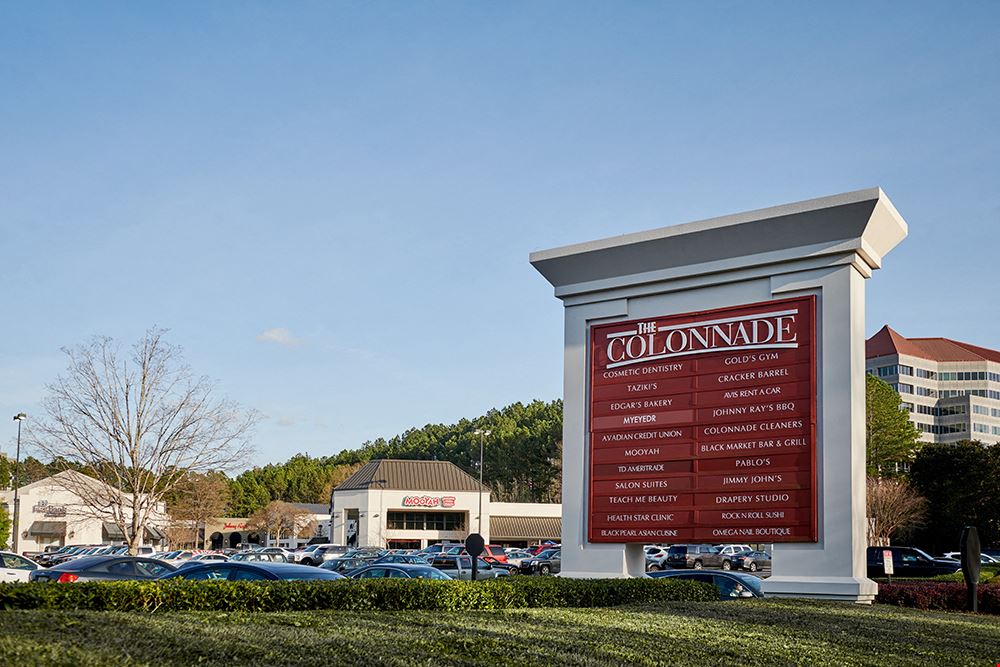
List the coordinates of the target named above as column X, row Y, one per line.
column 943, row 596
column 372, row 594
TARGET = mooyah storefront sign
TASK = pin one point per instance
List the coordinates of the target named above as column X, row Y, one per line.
column 429, row 501
column 718, row 405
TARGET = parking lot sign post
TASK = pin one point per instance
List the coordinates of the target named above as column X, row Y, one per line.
column 971, row 564
column 695, row 408
column 474, row 545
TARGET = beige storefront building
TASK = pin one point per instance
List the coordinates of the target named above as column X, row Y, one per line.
column 50, row 514
column 397, row 503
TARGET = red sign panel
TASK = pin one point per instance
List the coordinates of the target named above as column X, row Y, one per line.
column 703, row 426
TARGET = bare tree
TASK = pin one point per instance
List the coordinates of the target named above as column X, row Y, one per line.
column 279, row 518
column 137, row 423
column 893, row 505
column 197, row 498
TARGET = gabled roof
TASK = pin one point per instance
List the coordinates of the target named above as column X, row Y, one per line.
column 408, row 475
column 313, row 508
column 887, row 342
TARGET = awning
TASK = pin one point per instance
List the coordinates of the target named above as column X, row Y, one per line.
column 48, row 528
column 113, row 532
column 153, row 533
column 525, row 527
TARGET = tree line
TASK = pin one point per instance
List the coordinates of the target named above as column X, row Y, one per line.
column 522, row 459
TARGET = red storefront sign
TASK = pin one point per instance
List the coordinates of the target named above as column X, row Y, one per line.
column 702, row 426
column 429, row 501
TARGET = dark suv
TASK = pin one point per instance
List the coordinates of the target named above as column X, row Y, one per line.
column 908, row 562
column 696, row 556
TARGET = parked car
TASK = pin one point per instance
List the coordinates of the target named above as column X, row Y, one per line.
column 732, row 585
column 491, row 553
column 74, row 553
column 697, row 556
column 345, row 565
column 515, row 556
column 733, row 549
column 398, row 571
column 984, row 559
column 656, row 557
column 306, row 553
column 909, row 562
column 545, row 546
column 411, row 559
column 251, row 571
column 440, row 548
column 324, row 552
column 104, row 568
column 259, row 556
column 15, row 568
column 460, row 567
column 547, row 562
column 44, row 558
column 753, row 561
column 209, row 557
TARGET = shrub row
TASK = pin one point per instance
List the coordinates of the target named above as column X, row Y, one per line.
column 385, row 594
column 942, row 596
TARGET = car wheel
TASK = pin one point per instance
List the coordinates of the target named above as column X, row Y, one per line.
column 655, row 568
column 753, row 566
column 726, row 565
column 697, row 565
column 544, row 569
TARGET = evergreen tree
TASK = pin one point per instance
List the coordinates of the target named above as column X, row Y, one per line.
column 891, row 438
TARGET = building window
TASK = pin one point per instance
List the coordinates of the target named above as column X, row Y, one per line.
column 925, row 374
column 980, row 428
column 909, row 407
column 980, row 410
column 941, row 429
column 905, row 388
column 396, row 520
column 924, row 391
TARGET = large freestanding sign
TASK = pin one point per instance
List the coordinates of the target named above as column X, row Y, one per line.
column 714, row 390
column 703, row 426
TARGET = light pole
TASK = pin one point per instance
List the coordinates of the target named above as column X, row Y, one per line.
column 482, row 436
column 19, row 417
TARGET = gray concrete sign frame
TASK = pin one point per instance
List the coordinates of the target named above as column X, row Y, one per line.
column 825, row 247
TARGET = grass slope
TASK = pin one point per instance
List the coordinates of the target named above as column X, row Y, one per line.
column 735, row 633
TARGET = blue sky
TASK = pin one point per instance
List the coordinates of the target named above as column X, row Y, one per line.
column 331, row 205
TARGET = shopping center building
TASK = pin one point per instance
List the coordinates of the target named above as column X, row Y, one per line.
column 406, row 504
column 951, row 389
column 51, row 513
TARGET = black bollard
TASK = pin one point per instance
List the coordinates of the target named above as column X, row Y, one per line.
column 970, row 565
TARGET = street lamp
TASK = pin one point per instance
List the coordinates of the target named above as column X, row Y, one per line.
column 482, row 436
column 19, row 417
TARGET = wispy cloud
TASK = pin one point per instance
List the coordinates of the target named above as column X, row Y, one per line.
column 281, row 336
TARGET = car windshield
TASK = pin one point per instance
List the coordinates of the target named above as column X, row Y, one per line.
column 548, row 553
column 428, row 573
column 923, row 554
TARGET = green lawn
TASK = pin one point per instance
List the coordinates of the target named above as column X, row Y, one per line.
column 732, row 633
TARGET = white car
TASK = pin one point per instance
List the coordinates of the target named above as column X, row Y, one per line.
column 299, row 554
column 983, row 558
column 733, row 549
column 14, row 567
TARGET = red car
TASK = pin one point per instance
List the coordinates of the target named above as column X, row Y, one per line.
column 491, row 553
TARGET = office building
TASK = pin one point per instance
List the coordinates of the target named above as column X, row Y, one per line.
column 951, row 389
